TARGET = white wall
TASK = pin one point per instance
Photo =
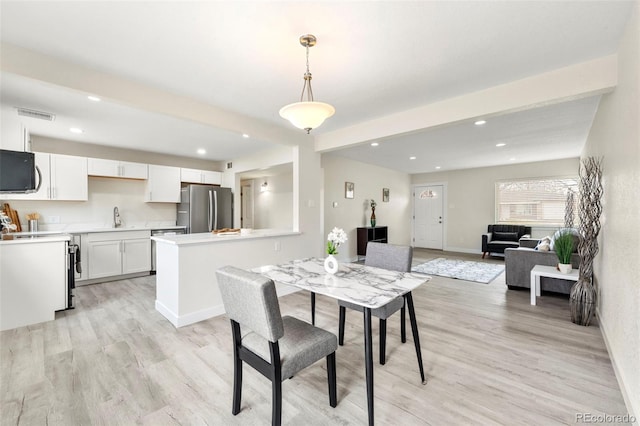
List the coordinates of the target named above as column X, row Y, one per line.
column 615, row 136
column 307, row 192
column 353, row 213
column 273, row 208
column 97, row 212
column 471, row 198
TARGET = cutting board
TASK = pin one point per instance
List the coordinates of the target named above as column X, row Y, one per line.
column 13, row 215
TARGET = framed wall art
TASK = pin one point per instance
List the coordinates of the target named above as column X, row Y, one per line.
column 348, row 189
column 385, row 195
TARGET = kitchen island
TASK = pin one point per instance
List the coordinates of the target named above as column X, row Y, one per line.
column 186, row 286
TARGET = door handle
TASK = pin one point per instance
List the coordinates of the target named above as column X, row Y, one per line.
column 210, row 212
column 215, row 220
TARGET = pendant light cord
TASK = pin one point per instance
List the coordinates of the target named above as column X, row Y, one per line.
column 307, row 83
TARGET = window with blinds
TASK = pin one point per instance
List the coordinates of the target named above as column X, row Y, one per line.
column 539, row 201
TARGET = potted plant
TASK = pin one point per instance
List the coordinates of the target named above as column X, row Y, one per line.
column 563, row 246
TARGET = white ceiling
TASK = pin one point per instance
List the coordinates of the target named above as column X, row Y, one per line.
column 372, row 59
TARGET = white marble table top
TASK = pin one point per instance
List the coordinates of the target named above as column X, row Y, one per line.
column 363, row 285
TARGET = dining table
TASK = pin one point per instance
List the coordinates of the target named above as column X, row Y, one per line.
column 367, row 286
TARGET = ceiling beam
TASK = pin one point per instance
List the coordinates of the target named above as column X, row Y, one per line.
column 573, row 82
column 31, row 64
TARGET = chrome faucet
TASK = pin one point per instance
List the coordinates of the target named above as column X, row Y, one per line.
column 116, row 218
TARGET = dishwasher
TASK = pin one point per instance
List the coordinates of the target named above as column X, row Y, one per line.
column 159, row 233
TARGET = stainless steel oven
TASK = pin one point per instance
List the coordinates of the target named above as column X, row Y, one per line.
column 73, row 266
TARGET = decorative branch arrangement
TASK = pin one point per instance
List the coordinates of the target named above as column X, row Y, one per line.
column 583, row 292
column 568, row 209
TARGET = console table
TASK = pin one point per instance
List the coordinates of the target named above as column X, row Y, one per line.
column 547, row 271
column 378, row 234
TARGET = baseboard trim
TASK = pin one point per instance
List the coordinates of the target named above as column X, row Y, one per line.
column 462, row 250
column 204, row 314
column 623, row 389
column 190, row 318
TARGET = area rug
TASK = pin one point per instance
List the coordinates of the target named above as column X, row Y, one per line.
column 460, row 269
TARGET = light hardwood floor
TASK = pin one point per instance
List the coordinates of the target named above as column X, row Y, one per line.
column 490, row 358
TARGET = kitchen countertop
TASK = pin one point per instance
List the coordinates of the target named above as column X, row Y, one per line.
column 208, row 237
column 89, row 228
column 31, row 237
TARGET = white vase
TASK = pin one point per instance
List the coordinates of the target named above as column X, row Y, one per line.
column 331, row 264
column 565, row 268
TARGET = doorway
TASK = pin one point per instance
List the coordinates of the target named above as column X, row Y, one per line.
column 246, row 200
column 428, row 219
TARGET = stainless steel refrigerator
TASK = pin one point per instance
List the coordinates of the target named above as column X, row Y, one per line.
column 204, row 208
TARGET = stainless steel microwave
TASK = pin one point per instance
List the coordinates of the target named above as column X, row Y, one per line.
column 18, row 172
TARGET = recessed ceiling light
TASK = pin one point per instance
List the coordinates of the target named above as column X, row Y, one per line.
column 438, row 167
column 480, row 122
column 512, row 159
column 75, row 130
column 412, row 158
column 201, row 151
column 374, row 144
column 244, row 135
column 500, row 144
column 93, row 98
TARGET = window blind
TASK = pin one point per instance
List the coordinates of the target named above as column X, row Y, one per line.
column 540, row 201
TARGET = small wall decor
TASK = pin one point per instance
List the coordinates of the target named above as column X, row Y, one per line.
column 385, row 195
column 348, row 189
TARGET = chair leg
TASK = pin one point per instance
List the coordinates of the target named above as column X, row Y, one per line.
column 237, row 385
column 483, row 254
column 313, row 308
column 403, row 326
column 276, row 384
column 331, row 377
column 383, row 340
column 343, row 314
column 237, row 368
column 276, row 402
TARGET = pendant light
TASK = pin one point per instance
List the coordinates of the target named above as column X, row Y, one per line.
column 307, row 114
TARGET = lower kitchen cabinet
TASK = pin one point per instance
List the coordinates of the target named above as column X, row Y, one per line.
column 110, row 254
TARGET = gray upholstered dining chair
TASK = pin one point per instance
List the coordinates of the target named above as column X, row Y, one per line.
column 278, row 347
column 386, row 256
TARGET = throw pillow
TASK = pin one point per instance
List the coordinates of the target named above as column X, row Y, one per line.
column 505, row 236
column 544, row 244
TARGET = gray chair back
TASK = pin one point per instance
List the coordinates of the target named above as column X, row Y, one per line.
column 250, row 299
column 389, row 256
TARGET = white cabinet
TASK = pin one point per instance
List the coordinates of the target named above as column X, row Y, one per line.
column 33, row 281
column 118, row 169
column 163, row 184
column 64, row 178
column 111, row 254
column 14, row 135
column 200, row 176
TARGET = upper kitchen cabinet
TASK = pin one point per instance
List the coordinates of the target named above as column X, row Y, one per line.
column 117, row 169
column 200, row 176
column 64, row 178
column 163, row 184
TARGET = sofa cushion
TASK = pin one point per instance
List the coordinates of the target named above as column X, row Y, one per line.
column 504, row 236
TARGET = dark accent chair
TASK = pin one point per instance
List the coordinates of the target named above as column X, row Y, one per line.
column 278, row 347
column 394, row 258
column 501, row 237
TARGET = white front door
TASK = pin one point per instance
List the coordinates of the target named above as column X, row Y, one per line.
column 246, row 221
column 428, row 220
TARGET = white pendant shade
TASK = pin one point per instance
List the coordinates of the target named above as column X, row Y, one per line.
column 307, row 115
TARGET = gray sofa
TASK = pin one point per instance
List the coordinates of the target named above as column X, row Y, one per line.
column 520, row 261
